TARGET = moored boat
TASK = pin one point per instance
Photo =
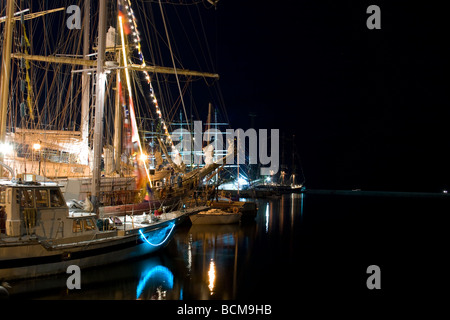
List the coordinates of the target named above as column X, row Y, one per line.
column 216, row 216
column 40, row 236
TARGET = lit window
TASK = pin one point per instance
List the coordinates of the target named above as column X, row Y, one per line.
column 3, row 196
column 41, row 198
column 27, row 198
column 76, row 226
column 89, row 224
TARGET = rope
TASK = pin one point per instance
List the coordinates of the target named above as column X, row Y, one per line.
column 174, row 66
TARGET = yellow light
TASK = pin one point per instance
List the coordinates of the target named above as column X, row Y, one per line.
column 143, row 157
column 36, row 146
column 129, row 87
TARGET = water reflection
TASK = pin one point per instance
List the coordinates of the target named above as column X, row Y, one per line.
column 189, row 254
column 158, row 277
column 211, row 260
column 296, row 206
column 200, row 262
column 148, row 278
column 211, row 276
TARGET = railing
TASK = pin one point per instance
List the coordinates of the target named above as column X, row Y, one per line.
column 118, row 197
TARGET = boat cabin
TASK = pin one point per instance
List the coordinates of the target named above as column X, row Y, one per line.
column 36, row 208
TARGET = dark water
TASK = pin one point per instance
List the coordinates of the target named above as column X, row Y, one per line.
column 298, row 245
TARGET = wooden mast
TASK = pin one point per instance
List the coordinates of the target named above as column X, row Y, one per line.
column 93, row 63
column 85, row 86
column 101, row 77
column 99, row 104
column 6, row 72
column 117, row 123
column 31, row 15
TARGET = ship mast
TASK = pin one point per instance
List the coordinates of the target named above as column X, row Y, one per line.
column 6, row 72
column 117, row 123
column 85, row 88
column 99, row 104
column 90, row 65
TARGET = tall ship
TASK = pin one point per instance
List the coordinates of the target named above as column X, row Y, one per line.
column 50, row 124
column 70, row 128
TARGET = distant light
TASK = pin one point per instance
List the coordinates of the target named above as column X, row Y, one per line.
column 242, row 181
column 37, row 146
column 444, row 191
column 6, row 148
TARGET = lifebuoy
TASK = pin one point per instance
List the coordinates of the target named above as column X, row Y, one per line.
column 235, row 209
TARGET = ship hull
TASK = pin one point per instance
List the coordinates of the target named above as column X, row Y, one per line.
column 18, row 261
column 216, row 218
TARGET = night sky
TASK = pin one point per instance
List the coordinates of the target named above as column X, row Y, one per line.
column 369, row 108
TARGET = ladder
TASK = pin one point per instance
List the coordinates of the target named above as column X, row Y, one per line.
column 60, row 229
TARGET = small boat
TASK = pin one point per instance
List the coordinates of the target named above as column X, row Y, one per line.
column 216, row 216
column 248, row 209
column 40, row 236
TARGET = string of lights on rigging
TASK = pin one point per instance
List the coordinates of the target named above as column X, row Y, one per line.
column 136, row 39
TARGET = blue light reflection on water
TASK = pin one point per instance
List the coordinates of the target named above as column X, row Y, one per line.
column 156, row 274
column 249, row 263
column 183, row 269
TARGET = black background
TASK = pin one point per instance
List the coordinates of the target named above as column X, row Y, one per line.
column 368, row 107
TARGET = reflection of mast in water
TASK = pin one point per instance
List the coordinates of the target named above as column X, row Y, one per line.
column 302, row 195
column 214, row 239
column 281, row 214
column 211, row 276
column 189, row 254
column 294, row 206
column 292, row 209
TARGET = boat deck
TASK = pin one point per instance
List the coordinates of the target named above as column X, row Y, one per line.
column 129, row 225
column 130, row 222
